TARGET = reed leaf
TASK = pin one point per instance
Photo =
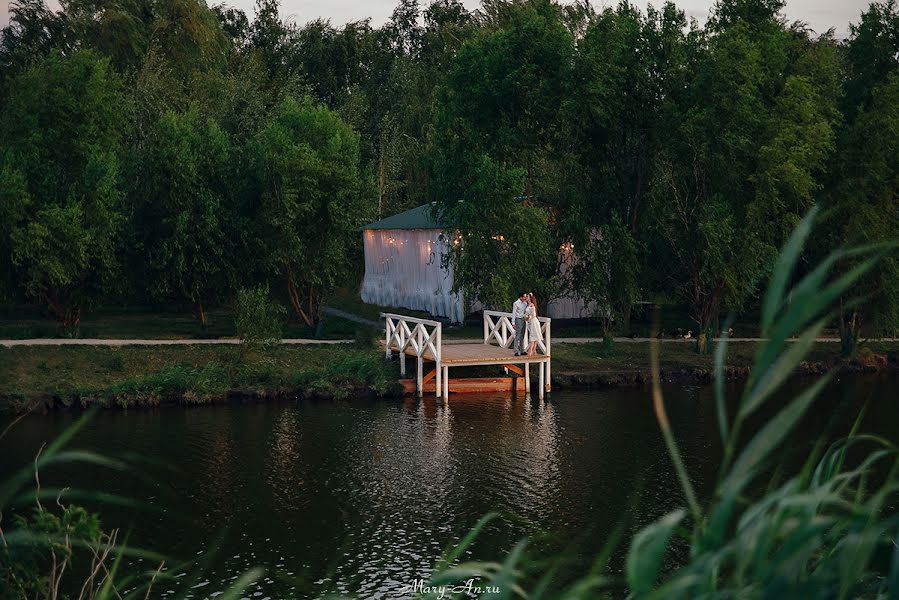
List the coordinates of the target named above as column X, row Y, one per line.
column 773, row 434
column 644, row 560
column 783, row 269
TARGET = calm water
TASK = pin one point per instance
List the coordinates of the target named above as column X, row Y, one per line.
column 361, row 497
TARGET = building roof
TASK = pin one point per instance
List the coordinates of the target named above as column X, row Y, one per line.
column 421, row 217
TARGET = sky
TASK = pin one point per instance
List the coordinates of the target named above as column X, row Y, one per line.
column 820, row 15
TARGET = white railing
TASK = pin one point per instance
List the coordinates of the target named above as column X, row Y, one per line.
column 498, row 329
column 404, row 333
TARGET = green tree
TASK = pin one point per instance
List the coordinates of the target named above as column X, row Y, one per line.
column 311, row 202
column 506, row 86
column 181, row 210
column 606, row 274
column 631, row 70
column 259, row 322
column 14, row 204
column 494, row 141
column 62, row 127
column 500, row 244
column 33, row 32
column 755, row 133
column 862, row 192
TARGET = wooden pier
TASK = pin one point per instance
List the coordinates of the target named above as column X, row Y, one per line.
column 422, row 339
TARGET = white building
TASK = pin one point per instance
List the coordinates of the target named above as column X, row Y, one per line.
column 404, row 269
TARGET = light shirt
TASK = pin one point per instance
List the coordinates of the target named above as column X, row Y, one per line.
column 518, row 309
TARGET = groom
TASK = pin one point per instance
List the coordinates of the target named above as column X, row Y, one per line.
column 518, row 309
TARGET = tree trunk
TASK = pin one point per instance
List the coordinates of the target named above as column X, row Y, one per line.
column 707, row 321
column 850, row 331
column 201, row 314
column 295, row 301
column 68, row 316
column 71, row 321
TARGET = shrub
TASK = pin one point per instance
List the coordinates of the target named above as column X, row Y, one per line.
column 260, row 322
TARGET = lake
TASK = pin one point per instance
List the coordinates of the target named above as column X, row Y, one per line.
column 361, row 497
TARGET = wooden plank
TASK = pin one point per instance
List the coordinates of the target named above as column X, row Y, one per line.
column 483, row 354
column 473, row 385
column 517, row 370
column 429, row 376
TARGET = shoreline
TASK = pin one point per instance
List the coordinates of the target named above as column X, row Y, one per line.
column 122, row 378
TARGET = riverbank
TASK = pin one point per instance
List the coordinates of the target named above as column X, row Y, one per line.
column 127, row 376
column 48, row 378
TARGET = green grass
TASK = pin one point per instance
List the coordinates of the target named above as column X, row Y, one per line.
column 148, row 373
column 142, row 374
column 144, row 323
column 633, row 357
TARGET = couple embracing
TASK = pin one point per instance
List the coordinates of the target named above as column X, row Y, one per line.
column 524, row 315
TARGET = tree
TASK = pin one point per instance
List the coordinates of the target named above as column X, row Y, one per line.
column 14, row 204
column 311, row 202
column 631, row 70
column 33, row 31
column 755, row 133
column 62, row 128
column 862, row 191
column 606, row 274
column 500, row 245
column 494, row 141
column 182, row 209
column 870, row 54
column 506, row 86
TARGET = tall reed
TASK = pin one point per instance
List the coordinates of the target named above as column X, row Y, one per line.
column 830, row 531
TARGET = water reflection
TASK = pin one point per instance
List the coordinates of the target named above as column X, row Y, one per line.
column 360, row 497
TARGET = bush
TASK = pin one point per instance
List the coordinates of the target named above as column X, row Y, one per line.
column 260, row 322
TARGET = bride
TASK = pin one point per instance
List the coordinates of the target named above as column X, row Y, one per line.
column 534, row 333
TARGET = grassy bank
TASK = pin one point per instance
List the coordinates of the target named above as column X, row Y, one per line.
column 136, row 375
column 629, row 362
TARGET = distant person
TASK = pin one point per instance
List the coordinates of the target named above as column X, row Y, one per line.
column 534, row 332
column 518, row 323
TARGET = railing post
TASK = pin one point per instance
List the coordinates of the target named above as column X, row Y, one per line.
column 486, row 328
column 438, row 364
column 387, row 322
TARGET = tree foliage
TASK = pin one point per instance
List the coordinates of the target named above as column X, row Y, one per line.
column 191, row 142
column 62, row 129
column 310, row 201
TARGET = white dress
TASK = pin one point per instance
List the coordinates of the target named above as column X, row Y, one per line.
column 534, row 333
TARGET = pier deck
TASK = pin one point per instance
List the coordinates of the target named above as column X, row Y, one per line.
column 422, row 340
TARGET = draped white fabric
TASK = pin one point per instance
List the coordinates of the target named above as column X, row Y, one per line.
column 568, row 306
column 403, row 269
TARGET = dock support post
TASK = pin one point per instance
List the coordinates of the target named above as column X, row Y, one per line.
column 419, row 385
column 542, row 380
column 438, row 387
column 527, row 379
column 402, row 364
column 445, row 384
column 549, row 385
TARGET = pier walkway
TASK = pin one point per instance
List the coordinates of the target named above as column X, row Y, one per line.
column 422, row 340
